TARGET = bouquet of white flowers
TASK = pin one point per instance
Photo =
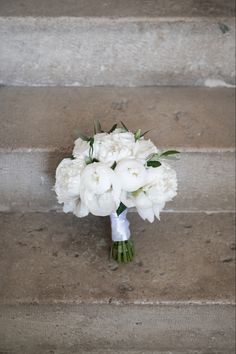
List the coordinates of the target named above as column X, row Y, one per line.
column 111, row 172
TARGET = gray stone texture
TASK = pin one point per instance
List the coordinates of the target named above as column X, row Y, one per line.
column 185, row 118
column 117, row 8
column 60, row 293
column 39, row 126
column 48, row 258
column 102, row 51
column 109, row 329
column 206, row 181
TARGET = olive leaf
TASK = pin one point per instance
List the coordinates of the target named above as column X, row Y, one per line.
column 137, row 135
column 91, row 141
column 97, row 127
column 147, row 131
column 113, row 165
column 124, row 126
column 169, row 153
column 89, row 160
column 112, row 128
column 82, row 136
column 153, row 163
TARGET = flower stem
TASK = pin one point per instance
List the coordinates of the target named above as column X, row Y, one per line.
column 122, row 251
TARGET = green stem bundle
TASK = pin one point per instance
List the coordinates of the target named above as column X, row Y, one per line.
column 122, row 251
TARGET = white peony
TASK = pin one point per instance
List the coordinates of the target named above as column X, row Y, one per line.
column 112, row 147
column 75, row 206
column 160, row 187
column 80, row 209
column 68, row 179
column 81, row 148
column 100, row 189
column 144, row 148
column 131, row 173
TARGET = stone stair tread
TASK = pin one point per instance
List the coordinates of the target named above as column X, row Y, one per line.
column 112, row 329
column 114, row 8
column 182, row 117
column 124, row 52
column 53, row 258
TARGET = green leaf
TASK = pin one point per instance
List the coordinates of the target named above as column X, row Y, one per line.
column 121, row 208
column 153, row 164
column 114, row 165
column 97, row 127
column 91, row 141
column 82, row 136
column 123, row 125
column 168, row 153
column 137, row 134
column 112, row 129
column 147, row 131
column 90, row 160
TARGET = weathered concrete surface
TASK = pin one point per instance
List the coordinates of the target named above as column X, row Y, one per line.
column 121, row 52
column 109, row 329
column 50, row 258
column 114, row 8
column 60, row 294
column 184, row 118
column 206, row 181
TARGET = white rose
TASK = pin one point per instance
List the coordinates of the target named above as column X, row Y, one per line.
column 81, row 148
column 131, row 173
column 112, row 147
column 67, row 186
column 143, row 148
column 100, row 189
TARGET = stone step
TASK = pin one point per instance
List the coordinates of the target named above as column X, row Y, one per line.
column 189, row 118
column 99, row 43
column 206, row 181
column 112, row 329
column 59, row 291
column 39, row 126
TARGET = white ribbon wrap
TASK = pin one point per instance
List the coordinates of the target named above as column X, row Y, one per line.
column 119, row 227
